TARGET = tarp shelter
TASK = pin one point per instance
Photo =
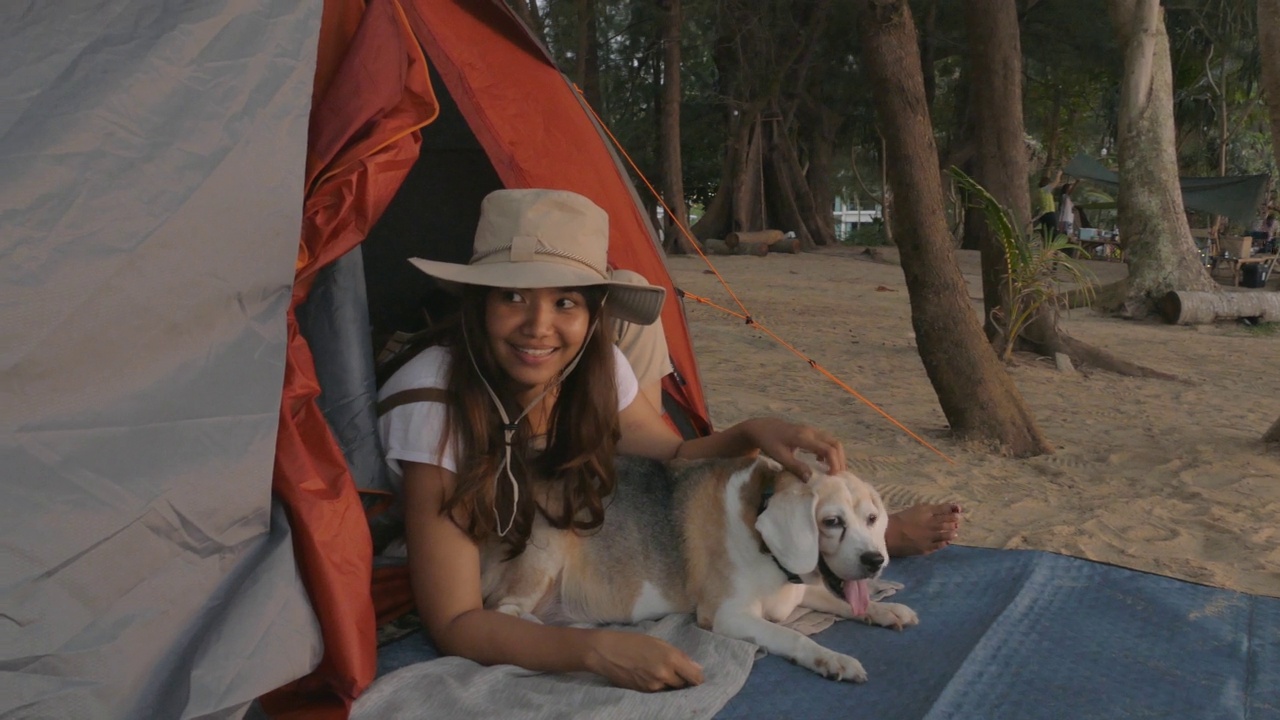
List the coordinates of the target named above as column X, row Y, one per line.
column 181, row 530
column 1236, row 197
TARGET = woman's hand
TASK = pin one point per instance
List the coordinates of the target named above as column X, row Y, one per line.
column 640, row 662
column 780, row 439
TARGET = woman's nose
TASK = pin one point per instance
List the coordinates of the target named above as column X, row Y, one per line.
column 538, row 319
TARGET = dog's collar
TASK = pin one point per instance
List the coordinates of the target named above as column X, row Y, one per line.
column 793, row 578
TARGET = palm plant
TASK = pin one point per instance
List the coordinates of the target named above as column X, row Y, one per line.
column 1034, row 267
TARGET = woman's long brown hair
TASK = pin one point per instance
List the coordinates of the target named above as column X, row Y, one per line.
column 582, row 434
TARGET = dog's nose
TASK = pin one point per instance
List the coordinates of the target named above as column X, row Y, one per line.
column 872, row 560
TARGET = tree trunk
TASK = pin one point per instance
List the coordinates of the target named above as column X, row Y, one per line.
column 928, row 50
column 999, row 161
column 587, row 68
column 822, row 125
column 1269, row 50
column 1055, row 131
column 763, row 185
column 1153, row 224
column 747, row 184
column 810, row 223
column 886, row 193
column 674, row 233
column 976, row 394
column 717, row 218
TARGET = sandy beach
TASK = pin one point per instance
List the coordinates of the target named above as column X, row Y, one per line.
column 1164, row 476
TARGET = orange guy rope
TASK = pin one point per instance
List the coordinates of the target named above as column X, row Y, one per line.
column 745, row 314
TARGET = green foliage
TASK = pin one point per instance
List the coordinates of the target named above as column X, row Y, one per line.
column 867, row 235
column 1267, row 330
column 1034, row 266
column 732, row 52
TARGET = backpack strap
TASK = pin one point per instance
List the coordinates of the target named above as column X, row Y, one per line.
column 412, row 395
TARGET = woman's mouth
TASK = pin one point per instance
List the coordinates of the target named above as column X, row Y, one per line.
column 532, row 355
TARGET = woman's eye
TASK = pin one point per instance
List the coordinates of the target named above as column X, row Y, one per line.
column 567, row 303
column 511, row 296
column 833, row 522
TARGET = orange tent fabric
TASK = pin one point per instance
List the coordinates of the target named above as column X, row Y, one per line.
column 372, row 96
column 362, row 143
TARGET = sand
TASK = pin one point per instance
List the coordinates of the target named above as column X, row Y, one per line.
column 1164, row 476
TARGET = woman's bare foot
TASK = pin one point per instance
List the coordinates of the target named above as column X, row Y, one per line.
column 922, row 528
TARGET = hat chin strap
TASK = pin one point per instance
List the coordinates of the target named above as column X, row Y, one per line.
column 509, row 426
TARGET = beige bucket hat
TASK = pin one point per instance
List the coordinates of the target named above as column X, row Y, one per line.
column 546, row 238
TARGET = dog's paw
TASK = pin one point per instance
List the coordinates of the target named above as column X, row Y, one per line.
column 891, row 615
column 836, row 666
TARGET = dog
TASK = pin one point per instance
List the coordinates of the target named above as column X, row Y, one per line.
column 740, row 543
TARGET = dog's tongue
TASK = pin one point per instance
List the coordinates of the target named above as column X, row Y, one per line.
column 859, row 598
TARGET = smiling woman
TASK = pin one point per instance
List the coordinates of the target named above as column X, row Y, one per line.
column 517, row 412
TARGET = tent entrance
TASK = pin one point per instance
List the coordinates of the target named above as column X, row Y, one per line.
column 433, row 216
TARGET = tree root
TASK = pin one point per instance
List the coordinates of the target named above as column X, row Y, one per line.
column 1107, row 298
column 1273, row 435
column 1082, row 354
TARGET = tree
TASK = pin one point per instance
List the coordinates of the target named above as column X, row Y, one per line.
column 765, row 50
column 587, row 68
column 999, row 156
column 999, row 163
column 672, row 168
column 1160, row 252
column 1269, row 47
column 977, row 396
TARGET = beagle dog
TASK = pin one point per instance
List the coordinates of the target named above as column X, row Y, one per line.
column 739, row 542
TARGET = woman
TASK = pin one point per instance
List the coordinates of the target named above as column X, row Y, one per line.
column 1066, row 211
column 532, row 403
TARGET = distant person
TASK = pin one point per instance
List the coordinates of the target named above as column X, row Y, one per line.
column 1066, row 211
column 1044, row 207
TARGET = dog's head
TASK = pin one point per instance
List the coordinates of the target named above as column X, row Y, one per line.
column 834, row 524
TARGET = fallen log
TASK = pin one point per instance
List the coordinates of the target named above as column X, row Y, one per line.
column 752, row 248
column 788, row 245
column 716, row 246
column 756, row 236
column 1197, row 308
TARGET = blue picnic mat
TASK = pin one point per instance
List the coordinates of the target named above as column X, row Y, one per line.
column 1027, row 635
column 1033, row 636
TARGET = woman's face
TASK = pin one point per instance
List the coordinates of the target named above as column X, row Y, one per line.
column 535, row 333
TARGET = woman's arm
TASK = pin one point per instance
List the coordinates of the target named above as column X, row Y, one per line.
column 645, row 433
column 444, row 569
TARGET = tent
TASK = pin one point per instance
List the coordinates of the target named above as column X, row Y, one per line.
column 183, row 529
column 1236, row 197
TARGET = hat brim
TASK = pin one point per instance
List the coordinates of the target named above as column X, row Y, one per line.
column 640, row 304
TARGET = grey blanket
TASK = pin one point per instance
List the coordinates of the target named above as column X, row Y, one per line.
column 452, row 687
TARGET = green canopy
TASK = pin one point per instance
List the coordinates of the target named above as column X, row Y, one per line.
column 1236, row 197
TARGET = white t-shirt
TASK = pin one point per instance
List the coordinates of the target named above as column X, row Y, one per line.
column 413, row 431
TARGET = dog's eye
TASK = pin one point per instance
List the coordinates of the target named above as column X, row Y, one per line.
column 872, row 518
column 833, row 522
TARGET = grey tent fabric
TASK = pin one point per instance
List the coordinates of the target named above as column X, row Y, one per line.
column 1236, row 197
column 150, row 206
column 335, row 321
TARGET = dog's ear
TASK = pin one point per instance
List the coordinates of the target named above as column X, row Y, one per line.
column 790, row 528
